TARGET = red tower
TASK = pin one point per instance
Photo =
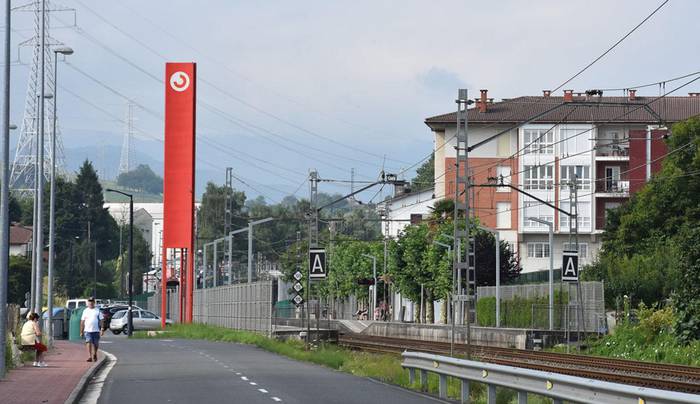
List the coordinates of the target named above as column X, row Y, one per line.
column 178, row 186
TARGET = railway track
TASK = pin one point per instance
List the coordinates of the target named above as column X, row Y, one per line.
column 645, row 374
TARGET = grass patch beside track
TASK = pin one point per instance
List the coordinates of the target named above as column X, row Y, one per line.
column 382, row 367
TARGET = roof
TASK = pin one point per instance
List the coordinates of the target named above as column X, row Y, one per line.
column 20, row 235
column 596, row 109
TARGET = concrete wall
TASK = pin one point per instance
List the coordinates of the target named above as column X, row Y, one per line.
column 501, row 337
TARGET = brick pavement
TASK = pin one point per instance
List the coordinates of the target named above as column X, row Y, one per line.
column 53, row 384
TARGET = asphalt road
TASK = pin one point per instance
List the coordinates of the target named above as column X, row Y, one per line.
column 186, row 371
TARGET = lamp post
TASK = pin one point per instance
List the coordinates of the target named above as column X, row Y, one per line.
column 131, row 256
column 374, row 287
column 52, row 198
column 551, row 267
column 250, row 245
column 38, row 220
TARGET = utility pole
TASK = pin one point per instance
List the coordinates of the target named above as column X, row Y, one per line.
column 228, row 212
column 374, row 287
column 4, row 188
column 463, row 263
column 387, row 228
column 40, row 186
column 313, row 243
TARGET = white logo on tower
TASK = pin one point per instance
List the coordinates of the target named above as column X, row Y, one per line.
column 179, row 81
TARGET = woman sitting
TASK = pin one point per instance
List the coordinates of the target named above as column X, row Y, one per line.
column 31, row 339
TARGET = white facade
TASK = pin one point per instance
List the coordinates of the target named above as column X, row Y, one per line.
column 403, row 207
column 120, row 213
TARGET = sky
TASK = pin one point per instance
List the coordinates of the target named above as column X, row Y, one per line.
column 285, row 87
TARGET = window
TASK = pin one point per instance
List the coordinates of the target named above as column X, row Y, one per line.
column 503, row 172
column 584, row 216
column 575, row 141
column 582, row 174
column 538, row 177
column 135, row 314
column 503, row 215
column 148, row 314
column 538, row 210
column 503, row 145
column 538, row 141
column 538, row 250
column 582, row 249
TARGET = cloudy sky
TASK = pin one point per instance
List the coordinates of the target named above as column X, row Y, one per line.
column 286, row 86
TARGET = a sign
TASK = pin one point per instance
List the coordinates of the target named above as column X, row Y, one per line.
column 297, row 287
column 298, row 275
column 298, row 300
column 462, row 298
column 569, row 266
column 317, row 263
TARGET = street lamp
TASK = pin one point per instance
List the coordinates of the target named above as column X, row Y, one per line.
column 374, row 287
column 551, row 267
column 52, row 197
column 131, row 256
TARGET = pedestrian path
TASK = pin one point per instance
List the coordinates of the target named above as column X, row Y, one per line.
column 53, row 384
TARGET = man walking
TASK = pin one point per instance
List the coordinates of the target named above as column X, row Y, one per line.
column 90, row 329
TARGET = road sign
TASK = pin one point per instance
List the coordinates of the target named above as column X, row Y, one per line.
column 297, row 287
column 569, row 266
column 462, row 298
column 317, row 263
column 298, row 300
column 298, row 275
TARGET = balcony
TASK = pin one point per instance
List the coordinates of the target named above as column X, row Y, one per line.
column 613, row 153
column 613, row 188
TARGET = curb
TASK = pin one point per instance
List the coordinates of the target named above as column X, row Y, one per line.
column 80, row 388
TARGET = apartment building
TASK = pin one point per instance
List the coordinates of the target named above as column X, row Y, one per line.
column 610, row 145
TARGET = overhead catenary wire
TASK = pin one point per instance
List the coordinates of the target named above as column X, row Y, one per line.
column 619, row 41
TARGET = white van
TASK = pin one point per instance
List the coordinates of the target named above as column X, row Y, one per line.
column 76, row 303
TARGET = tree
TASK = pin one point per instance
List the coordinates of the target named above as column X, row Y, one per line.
column 211, row 214
column 653, row 238
column 15, row 209
column 486, row 260
column 425, row 175
column 19, row 279
column 142, row 178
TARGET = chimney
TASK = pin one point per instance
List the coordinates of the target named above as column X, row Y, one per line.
column 483, row 101
column 546, row 93
column 632, row 95
column 694, row 94
column 568, row 95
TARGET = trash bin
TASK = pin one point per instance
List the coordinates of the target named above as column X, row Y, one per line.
column 74, row 325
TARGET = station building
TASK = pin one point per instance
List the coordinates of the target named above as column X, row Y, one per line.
column 612, row 145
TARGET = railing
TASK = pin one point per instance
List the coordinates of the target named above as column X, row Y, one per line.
column 613, row 186
column 556, row 386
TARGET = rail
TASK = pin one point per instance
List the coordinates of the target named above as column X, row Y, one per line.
column 556, row 386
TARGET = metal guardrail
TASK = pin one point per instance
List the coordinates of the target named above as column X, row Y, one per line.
column 556, row 386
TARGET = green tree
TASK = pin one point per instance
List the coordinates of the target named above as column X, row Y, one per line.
column 142, row 178
column 19, row 277
column 211, row 213
column 425, row 175
column 651, row 237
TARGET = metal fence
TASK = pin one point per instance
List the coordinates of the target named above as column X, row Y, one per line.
column 246, row 306
column 558, row 387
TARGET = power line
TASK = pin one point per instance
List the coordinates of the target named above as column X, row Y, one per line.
column 656, row 83
column 619, row 41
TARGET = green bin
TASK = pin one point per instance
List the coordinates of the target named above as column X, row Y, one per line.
column 74, row 327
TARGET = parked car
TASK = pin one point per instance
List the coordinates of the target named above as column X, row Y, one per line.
column 77, row 303
column 143, row 320
column 109, row 311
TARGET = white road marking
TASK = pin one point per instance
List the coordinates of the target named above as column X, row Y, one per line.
column 94, row 388
column 238, row 373
column 244, row 378
column 276, row 398
column 253, row 384
column 262, row 391
column 226, row 366
column 106, row 342
column 166, row 340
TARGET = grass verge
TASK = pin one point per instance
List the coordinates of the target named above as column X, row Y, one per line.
column 383, row 367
